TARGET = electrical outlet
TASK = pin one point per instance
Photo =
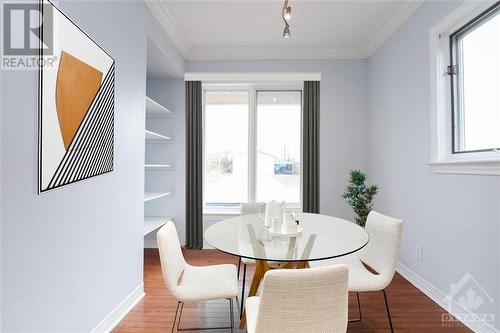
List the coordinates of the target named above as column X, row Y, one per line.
column 420, row 253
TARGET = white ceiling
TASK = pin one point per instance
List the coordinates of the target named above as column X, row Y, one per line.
column 252, row 29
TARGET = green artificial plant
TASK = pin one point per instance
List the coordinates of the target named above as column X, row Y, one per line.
column 359, row 196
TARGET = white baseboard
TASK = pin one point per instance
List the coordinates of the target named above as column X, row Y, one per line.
column 439, row 297
column 120, row 311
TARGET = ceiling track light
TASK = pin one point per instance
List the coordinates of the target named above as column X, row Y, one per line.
column 286, row 13
column 286, row 32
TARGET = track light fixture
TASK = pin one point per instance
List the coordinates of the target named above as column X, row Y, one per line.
column 286, row 32
column 286, row 12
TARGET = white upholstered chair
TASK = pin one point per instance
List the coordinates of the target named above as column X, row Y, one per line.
column 300, row 301
column 193, row 283
column 381, row 254
column 251, row 208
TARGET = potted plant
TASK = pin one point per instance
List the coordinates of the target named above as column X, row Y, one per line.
column 359, row 196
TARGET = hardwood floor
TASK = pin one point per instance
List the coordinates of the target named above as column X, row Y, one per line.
column 411, row 310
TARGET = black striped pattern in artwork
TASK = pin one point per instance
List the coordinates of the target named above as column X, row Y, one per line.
column 91, row 151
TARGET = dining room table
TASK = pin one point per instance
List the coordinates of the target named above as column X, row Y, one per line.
column 319, row 237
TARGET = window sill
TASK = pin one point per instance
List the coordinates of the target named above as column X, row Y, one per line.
column 467, row 167
column 219, row 214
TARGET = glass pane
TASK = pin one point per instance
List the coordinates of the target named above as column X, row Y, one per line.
column 322, row 237
column 226, row 148
column 278, row 146
column 479, row 121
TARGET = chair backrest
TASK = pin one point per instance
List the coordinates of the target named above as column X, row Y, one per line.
column 171, row 258
column 382, row 251
column 304, row 300
column 250, row 208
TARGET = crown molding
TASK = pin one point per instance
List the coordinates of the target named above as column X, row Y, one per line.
column 252, row 77
column 392, row 25
column 161, row 13
column 195, row 52
column 270, row 52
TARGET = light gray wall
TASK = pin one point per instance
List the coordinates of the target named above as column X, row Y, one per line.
column 1, row 206
column 70, row 256
column 455, row 218
column 343, row 117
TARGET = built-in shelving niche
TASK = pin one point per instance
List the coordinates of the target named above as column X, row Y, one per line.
column 154, row 172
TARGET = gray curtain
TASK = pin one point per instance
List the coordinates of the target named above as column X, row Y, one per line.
column 310, row 148
column 194, row 166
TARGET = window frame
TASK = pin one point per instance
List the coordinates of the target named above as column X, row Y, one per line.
column 456, row 89
column 443, row 159
column 216, row 212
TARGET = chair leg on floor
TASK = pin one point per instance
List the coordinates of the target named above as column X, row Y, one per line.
column 239, row 265
column 175, row 317
column 178, row 329
column 359, row 307
column 359, row 311
column 242, row 301
column 388, row 312
column 232, row 313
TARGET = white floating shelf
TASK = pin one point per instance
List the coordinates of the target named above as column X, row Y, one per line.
column 156, row 109
column 155, row 137
column 151, row 223
column 148, row 196
column 159, row 166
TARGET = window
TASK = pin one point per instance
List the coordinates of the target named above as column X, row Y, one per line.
column 252, row 147
column 465, row 90
column 226, row 148
column 278, row 146
column 475, row 84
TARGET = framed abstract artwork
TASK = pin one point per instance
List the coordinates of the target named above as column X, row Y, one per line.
column 76, row 104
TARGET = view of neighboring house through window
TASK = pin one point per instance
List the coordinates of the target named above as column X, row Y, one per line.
column 278, row 146
column 226, row 148
column 252, row 141
column 475, row 57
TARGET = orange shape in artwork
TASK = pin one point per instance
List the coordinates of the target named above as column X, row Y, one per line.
column 76, row 87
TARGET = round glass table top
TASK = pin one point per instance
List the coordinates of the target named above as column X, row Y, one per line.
column 323, row 237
